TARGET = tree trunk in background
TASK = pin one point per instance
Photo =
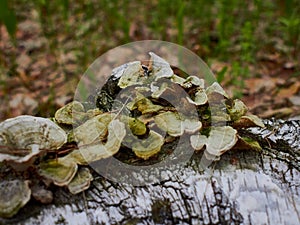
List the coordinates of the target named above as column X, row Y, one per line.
column 243, row 187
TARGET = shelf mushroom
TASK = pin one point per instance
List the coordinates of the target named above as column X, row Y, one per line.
column 81, row 181
column 160, row 68
column 25, row 137
column 148, row 147
column 95, row 151
column 248, row 121
column 220, row 140
column 174, row 125
column 65, row 115
column 59, row 171
column 14, row 194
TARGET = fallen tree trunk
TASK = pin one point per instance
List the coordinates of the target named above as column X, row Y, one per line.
column 244, row 187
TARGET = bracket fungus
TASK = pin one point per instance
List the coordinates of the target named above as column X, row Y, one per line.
column 101, row 134
column 177, row 79
column 202, row 95
column 247, row 143
column 145, row 148
column 143, row 104
column 248, row 121
column 93, row 129
column 237, row 109
column 31, row 134
column 65, row 114
column 193, row 80
column 216, row 88
column 219, row 140
column 131, row 74
column 160, row 68
column 174, row 125
column 81, row 181
column 97, row 151
column 200, row 98
column 188, row 82
column 90, row 131
column 158, row 89
column 59, row 171
column 198, row 141
column 136, row 126
column 76, row 157
column 14, row 194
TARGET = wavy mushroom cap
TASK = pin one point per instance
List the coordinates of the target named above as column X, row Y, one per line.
column 81, row 181
column 14, row 194
column 25, row 137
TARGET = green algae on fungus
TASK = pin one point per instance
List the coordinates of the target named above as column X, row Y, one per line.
column 246, row 143
column 59, row 171
column 143, row 104
column 145, row 148
column 236, row 109
column 136, row 126
column 70, row 113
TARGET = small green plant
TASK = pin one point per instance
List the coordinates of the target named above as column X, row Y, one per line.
column 225, row 26
column 247, row 43
column 291, row 28
column 238, row 76
column 8, row 18
column 221, row 74
column 180, row 22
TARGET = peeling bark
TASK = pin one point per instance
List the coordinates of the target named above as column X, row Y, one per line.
column 244, row 187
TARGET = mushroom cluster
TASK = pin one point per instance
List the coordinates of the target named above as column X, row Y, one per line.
column 215, row 128
column 25, row 142
column 154, row 106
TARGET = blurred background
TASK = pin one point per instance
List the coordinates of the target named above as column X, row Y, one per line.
column 251, row 46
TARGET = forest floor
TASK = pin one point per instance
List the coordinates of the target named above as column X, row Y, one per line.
column 40, row 69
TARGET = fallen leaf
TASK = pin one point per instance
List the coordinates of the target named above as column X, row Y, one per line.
column 255, row 85
column 277, row 113
column 290, row 91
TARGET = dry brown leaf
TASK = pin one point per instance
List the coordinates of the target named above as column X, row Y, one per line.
column 255, row 85
column 277, row 113
column 290, row 91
